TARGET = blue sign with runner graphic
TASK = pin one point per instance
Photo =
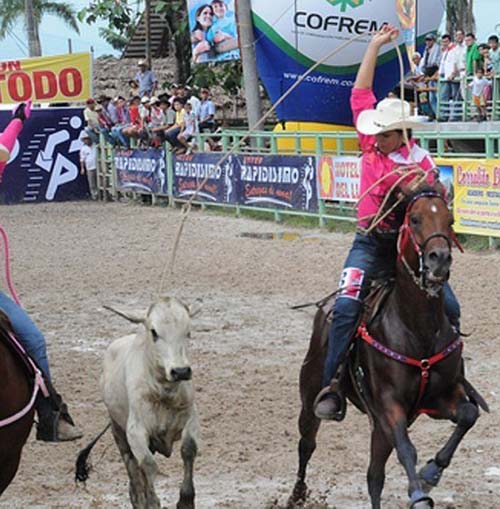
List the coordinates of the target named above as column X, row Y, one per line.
column 44, row 163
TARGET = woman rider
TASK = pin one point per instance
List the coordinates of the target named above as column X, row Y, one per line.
column 54, row 421
column 383, row 146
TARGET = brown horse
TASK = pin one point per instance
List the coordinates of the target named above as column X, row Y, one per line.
column 406, row 360
column 16, row 390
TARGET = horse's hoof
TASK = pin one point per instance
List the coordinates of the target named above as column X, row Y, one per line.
column 430, row 475
column 419, row 500
column 298, row 495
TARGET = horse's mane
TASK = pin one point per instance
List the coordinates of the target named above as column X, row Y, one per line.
column 400, row 210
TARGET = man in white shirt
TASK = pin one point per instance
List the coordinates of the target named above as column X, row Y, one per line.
column 88, row 163
column 448, row 72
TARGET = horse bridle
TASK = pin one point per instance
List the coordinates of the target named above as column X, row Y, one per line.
column 406, row 233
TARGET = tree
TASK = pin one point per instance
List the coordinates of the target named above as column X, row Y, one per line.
column 460, row 16
column 13, row 10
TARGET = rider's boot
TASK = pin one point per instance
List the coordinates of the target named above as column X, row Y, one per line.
column 330, row 403
column 54, row 422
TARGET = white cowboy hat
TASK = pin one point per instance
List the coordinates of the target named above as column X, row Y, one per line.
column 389, row 115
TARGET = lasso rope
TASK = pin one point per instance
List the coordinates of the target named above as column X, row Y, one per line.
column 169, row 267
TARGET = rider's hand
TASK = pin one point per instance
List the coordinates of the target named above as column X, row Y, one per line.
column 386, row 34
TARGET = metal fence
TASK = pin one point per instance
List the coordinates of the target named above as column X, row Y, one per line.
column 447, row 143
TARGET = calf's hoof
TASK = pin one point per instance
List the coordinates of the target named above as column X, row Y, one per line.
column 185, row 503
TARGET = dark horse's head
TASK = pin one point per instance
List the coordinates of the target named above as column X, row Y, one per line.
column 425, row 238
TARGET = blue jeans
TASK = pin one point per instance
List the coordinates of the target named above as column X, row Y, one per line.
column 26, row 332
column 449, row 93
column 433, row 97
column 369, row 256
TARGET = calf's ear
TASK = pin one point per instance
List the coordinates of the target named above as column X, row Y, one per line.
column 131, row 316
column 194, row 309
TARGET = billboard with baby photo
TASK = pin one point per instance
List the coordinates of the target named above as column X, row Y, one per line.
column 214, row 34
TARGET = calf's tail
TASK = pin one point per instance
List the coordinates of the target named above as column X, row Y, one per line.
column 82, row 467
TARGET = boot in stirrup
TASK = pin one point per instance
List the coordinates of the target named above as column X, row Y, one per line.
column 54, row 422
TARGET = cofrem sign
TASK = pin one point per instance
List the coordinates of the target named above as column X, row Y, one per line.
column 62, row 78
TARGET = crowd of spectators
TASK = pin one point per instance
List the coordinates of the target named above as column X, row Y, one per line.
column 458, row 64
column 150, row 117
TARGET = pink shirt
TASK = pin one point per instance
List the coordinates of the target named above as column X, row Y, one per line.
column 374, row 164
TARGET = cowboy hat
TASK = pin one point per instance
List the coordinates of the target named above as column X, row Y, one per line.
column 387, row 116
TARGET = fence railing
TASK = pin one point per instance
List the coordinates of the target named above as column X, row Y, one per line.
column 445, row 144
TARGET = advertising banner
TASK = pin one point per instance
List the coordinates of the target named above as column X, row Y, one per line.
column 476, row 195
column 62, row 78
column 338, row 178
column 141, row 170
column 293, row 36
column 278, row 181
column 214, row 33
column 191, row 169
column 45, row 163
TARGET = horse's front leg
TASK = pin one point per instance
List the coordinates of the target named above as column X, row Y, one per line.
column 465, row 414
column 395, row 425
column 381, row 448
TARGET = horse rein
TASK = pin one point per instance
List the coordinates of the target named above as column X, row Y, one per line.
column 405, row 233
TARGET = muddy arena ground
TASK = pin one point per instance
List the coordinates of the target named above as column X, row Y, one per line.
column 246, row 351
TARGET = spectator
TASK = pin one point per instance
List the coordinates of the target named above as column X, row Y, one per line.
column 133, row 88
column 472, row 55
column 158, row 124
column 146, row 79
column 461, row 50
column 194, row 101
column 448, row 71
column 207, row 111
column 145, row 109
column 478, row 86
column 418, row 64
column 431, row 57
column 104, row 124
column 133, row 129
column 190, row 127
column 494, row 54
column 174, row 92
column 123, row 120
column 88, row 162
column 91, row 120
column 173, row 132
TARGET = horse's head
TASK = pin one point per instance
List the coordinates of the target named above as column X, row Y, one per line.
column 425, row 239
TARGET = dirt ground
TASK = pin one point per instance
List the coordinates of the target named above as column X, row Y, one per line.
column 246, row 351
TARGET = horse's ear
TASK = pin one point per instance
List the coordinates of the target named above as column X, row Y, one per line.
column 439, row 187
column 131, row 316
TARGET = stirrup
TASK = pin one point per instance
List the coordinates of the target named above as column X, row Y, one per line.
column 339, row 415
column 48, row 427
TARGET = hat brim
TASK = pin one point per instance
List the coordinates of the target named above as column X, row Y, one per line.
column 372, row 122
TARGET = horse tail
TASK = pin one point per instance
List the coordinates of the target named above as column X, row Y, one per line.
column 474, row 395
column 82, row 467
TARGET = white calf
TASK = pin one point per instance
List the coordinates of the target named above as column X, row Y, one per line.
column 147, row 389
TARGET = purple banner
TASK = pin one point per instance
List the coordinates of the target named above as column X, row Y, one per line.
column 141, row 170
column 44, row 164
column 277, row 181
column 191, row 169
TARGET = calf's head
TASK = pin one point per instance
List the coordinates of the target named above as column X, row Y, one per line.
column 167, row 325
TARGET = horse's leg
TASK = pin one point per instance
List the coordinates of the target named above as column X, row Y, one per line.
column 137, row 481
column 310, row 385
column 189, row 449
column 8, row 470
column 465, row 414
column 395, row 425
column 381, row 449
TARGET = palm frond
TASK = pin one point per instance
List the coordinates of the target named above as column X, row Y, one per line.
column 61, row 10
